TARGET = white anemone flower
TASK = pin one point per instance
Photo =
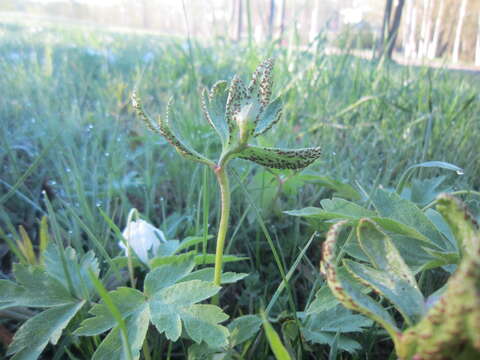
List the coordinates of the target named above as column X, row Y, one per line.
column 144, row 239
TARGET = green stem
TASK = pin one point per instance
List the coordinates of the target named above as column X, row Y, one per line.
column 133, row 212
column 222, row 178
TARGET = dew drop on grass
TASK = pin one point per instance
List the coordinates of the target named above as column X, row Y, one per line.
column 98, row 204
column 33, row 120
column 107, row 154
column 460, row 172
column 68, row 170
column 334, row 153
column 70, row 232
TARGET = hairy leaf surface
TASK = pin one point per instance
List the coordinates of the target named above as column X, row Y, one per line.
column 280, row 158
column 32, row 337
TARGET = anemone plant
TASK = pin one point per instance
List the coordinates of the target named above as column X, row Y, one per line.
column 447, row 327
column 238, row 114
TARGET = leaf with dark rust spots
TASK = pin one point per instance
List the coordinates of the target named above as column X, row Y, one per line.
column 280, row 158
column 163, row 127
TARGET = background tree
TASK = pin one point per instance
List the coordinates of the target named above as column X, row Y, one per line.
column 390, row 27
column 458, row 33
column 477, row 46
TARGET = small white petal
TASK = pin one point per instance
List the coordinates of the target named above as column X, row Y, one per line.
column 143, row 238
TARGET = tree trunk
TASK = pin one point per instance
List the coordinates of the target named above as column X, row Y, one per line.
column 232, row 23
column 387, row 14
column 411, row 47
column 271, row 19
column 314, row 21
column 240, row 20
column 423, row 30
column 282, row 20
column 249, row 23
column 428, row 30
column 458, row 33
column 393, row 31
column 406, row 27
column 145, row 22
column 477, row 48
column 432, row 50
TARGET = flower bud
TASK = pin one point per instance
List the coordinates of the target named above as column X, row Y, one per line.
column 143, row 238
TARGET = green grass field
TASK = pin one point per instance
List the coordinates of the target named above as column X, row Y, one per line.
column 68, row 131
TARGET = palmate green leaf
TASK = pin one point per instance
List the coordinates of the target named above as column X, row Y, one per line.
column 424, row 191
column 341, row 189
column 443, row 227
column 128, row 301
column 394, row 226
column 32, row 337
column 462, row 224
column 112, row 346
column 76, row 269
column 40, row 289
column 165, row 276
column 415, row 254
column 343, row 342
column 176, row 304
column 338, row 319
column 335, row 208
column 451, row 328
column 324, row 300
column 382, row 253
column 169, row 304
column 392, row 206
column 167, row 248
column 203, row 352
column 338, row 208
column 207, row 274
column 214, row 106
column 244, row 328
column 345, row 288
column 201, row 323
column 390, row 276
column 341, row 209
column 393, row 288
column 322, row 327
column 441, row 258
column 199, row 259
column 280, row 158
column 10, row 294
column 164, row 127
